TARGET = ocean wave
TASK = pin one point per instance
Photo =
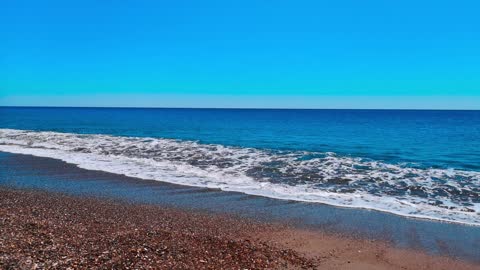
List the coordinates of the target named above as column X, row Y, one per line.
column 441, row 194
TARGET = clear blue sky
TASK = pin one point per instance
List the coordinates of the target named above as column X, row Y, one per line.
column 249, row 53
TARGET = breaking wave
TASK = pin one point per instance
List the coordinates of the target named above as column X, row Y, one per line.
column 441, row 194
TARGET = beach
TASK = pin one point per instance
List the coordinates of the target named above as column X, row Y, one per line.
column 231, row 189
column 55, row 231
column 340, row 135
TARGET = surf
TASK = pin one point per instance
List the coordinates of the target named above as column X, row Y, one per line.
column 316, row 177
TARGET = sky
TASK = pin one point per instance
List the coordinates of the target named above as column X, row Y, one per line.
column 250, row 53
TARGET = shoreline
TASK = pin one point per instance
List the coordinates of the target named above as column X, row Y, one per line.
column 50, row 229
column 435, row 238
column 142, row 167
column 280, row 196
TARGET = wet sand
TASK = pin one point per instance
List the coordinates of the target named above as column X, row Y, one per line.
column 53, row 230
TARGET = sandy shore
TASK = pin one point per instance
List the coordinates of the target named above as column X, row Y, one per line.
column 53, row 231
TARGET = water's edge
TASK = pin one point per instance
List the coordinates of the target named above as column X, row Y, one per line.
column 24, row 171
column 243, row 170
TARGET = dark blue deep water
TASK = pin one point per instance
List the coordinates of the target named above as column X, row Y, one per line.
column 445, row 139
column 416, row 163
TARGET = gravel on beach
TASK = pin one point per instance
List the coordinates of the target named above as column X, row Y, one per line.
column 41, row 230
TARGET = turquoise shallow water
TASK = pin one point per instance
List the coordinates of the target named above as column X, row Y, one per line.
column 413, row 163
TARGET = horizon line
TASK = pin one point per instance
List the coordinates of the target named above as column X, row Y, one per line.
column 235, row 108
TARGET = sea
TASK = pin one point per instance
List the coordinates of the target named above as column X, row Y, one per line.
column 415, row 163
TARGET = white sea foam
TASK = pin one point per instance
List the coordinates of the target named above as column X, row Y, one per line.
column 441, row 194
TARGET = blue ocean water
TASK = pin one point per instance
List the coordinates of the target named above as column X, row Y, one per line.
column 415, row 163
